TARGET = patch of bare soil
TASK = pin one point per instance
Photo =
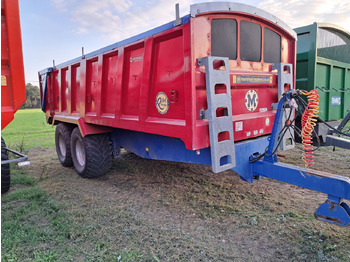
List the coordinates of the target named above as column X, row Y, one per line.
column 183, row 212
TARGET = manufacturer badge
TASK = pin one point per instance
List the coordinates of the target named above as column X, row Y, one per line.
column 251, row 100
column 336, row 100
column 3, row 81
column 136, row 58
column 162, row 103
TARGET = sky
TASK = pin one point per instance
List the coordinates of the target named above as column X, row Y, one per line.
column 58, row 29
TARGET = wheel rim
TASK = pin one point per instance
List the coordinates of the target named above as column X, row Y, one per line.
column 80, row 152
column 62, row 145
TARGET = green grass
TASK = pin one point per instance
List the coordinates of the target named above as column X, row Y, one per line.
column 36, row 228
column 33, row 226
column 28, row 130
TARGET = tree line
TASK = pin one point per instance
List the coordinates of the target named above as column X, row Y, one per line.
column 33, row 97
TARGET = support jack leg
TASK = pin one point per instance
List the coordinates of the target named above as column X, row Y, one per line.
column 334, row 211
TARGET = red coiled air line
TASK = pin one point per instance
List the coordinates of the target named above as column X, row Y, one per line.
column 308, row 122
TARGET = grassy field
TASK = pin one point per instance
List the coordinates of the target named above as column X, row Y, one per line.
column 29, row 130
column 145, row 210
column 35, row 227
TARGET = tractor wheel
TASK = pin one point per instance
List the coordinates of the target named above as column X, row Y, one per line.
column 92, row 154
column 5, row 169
column 62, row 141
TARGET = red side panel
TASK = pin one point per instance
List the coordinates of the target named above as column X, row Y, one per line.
column 164, row 77
column 119, row 88
column 110, row 67
column 13, row 93
column 75, row 88
column 91, row 87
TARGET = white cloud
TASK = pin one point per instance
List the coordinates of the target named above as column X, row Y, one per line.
column 298, row 13
column 140, row 19
column 100, row 16
column 121, row 6
column 119, row 19
column 115, row 20
column 61, row 5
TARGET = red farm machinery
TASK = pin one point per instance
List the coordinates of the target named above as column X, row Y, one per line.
column 13, row 93
column 215, row 87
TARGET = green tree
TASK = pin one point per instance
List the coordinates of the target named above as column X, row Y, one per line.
column 33, row 97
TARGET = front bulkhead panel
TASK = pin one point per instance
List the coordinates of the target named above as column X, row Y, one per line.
column 252, row 45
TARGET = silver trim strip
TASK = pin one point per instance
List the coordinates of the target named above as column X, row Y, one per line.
column 237, row 7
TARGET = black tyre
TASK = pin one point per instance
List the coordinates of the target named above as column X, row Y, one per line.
column 5, row 169
column 92, row 154
column 62, row 141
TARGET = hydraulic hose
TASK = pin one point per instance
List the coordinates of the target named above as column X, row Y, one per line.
column 308, row 123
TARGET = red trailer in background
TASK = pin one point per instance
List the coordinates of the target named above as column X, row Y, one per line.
column 13, row 92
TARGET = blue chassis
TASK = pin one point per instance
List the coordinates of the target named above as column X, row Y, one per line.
column 158, row 147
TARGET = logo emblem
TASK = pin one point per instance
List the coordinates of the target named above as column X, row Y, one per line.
column 136, row 58
column 3, row 81
column 162, row 103
column 251, row 100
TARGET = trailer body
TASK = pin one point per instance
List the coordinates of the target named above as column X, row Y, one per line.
column 152, row 82
column 13, row 93
column 323, row 63
column 215, row 87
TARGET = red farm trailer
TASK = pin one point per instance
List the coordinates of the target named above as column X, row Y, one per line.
column 13, row 92
column 214, row 87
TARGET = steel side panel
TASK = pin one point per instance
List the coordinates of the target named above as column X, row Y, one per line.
column 336, row 96
column 322, row 85
column 119, row 88
column 333, row 85
column 346, row 102
column 329, row 77
column 13, row 93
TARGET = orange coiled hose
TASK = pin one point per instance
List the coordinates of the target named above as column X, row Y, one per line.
column 308, row 122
